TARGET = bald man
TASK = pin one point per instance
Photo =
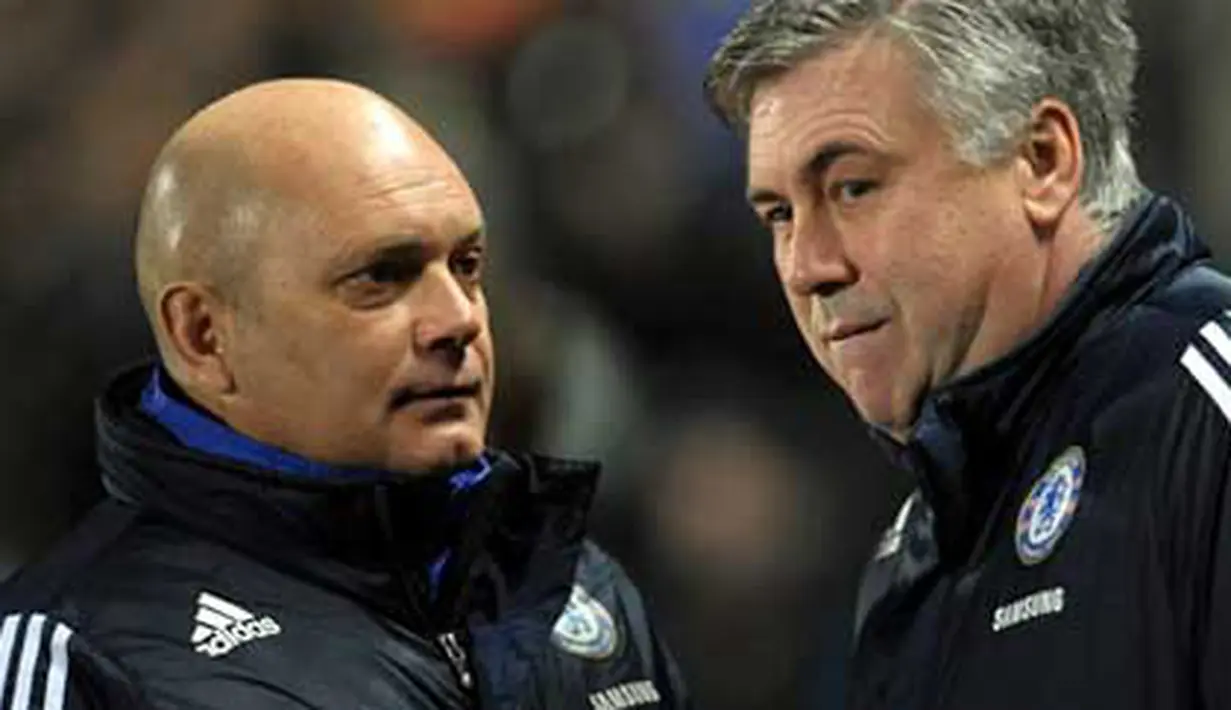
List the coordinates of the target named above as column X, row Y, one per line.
column 302, row 511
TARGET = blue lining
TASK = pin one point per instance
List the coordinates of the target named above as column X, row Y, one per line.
column 197, row 430
column 436, row 571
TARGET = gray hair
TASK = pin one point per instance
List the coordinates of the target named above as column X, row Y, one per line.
column 985, row 64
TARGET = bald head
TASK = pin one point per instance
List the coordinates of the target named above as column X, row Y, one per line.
column 258, row 164
column 311, row 261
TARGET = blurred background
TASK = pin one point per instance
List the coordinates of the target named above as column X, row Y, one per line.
column 637, row 316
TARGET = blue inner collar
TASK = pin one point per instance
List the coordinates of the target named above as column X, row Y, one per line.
column 199, row 431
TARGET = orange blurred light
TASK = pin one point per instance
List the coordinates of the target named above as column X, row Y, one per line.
column 467, row 26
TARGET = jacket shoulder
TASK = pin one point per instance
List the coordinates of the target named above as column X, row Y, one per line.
column 1151, row 334
column 1195, row 292
column 640, row 667
column 601, row 577
column 54, row 581
column 1164, row 359
column 121, row 577
column 598, row 568
column 46, row 621
column 1145, row 357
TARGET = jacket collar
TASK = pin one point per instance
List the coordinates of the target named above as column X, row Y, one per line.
column 965, row 428
column 371, row 538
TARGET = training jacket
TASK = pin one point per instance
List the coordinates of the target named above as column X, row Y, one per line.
column 203, row 583
column 1069, row 544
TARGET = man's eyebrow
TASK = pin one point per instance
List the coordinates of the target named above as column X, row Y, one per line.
column 816, row 166
column 412, row 246
column 472, row 239
column 399, row 248
column 405, row 247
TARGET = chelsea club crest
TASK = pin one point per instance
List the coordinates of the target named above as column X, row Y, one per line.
column 585, row 628
column 1048, row 509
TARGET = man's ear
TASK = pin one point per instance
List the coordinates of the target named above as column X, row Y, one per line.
column 196, row 327
column 1051, row 164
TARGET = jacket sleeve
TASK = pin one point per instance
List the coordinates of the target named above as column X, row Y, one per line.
column 45, row 664
column 1209, row 448
column 1215, row 675
column 1172, row 441
column 1197, row 440
column 676, row 693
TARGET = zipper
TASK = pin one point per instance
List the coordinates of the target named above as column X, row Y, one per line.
column 456, row 653
column 975, row 564
column 414, row 588
column 415, row 592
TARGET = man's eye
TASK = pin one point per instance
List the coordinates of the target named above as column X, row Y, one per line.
column 379, row 283
column 851, row 190
column 384, row 272
column 779, row 215
column 469, row 264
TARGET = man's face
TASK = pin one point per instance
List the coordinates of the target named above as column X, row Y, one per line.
column 366, row 341
column 894, row 254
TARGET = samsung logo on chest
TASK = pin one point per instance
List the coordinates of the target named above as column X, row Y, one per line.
column 628, row 695
column 1044, row 603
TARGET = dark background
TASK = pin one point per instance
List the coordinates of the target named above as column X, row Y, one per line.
column 637, row 315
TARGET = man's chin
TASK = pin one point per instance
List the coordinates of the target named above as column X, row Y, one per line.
column 440, row 453
column 897, row 425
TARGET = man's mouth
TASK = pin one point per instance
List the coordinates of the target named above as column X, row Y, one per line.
column 407, row 396
column 841, row 331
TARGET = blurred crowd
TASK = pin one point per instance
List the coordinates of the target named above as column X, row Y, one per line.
column 636, row 312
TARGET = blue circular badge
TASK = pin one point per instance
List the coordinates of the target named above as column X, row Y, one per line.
column 1049, row 507
column 585, row 628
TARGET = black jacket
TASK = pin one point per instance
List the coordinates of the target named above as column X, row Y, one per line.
column 1069, row 545
column 204, row 583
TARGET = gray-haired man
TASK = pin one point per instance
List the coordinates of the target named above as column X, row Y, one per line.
column 963, row 240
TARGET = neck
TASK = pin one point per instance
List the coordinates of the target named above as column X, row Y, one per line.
column 1029, row 286
column 1073, row 248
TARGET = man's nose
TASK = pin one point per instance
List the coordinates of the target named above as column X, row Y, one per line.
column 450, row 315
column 812, row 260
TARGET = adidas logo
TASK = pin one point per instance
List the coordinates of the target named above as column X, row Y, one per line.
column 224, row 626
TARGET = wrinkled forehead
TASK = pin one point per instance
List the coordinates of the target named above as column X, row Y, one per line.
column 863, row 92
column 335, row 221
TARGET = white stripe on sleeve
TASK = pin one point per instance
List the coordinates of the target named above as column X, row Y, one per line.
column 1216, row 336
column 29, row 658
column 8, row 638
column 1209, row 379
column 57, row 673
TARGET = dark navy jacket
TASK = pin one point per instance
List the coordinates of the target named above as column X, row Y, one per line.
column 204, row 582
column 1069, row 545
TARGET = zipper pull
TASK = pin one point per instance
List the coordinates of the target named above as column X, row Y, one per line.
column 457, row 658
